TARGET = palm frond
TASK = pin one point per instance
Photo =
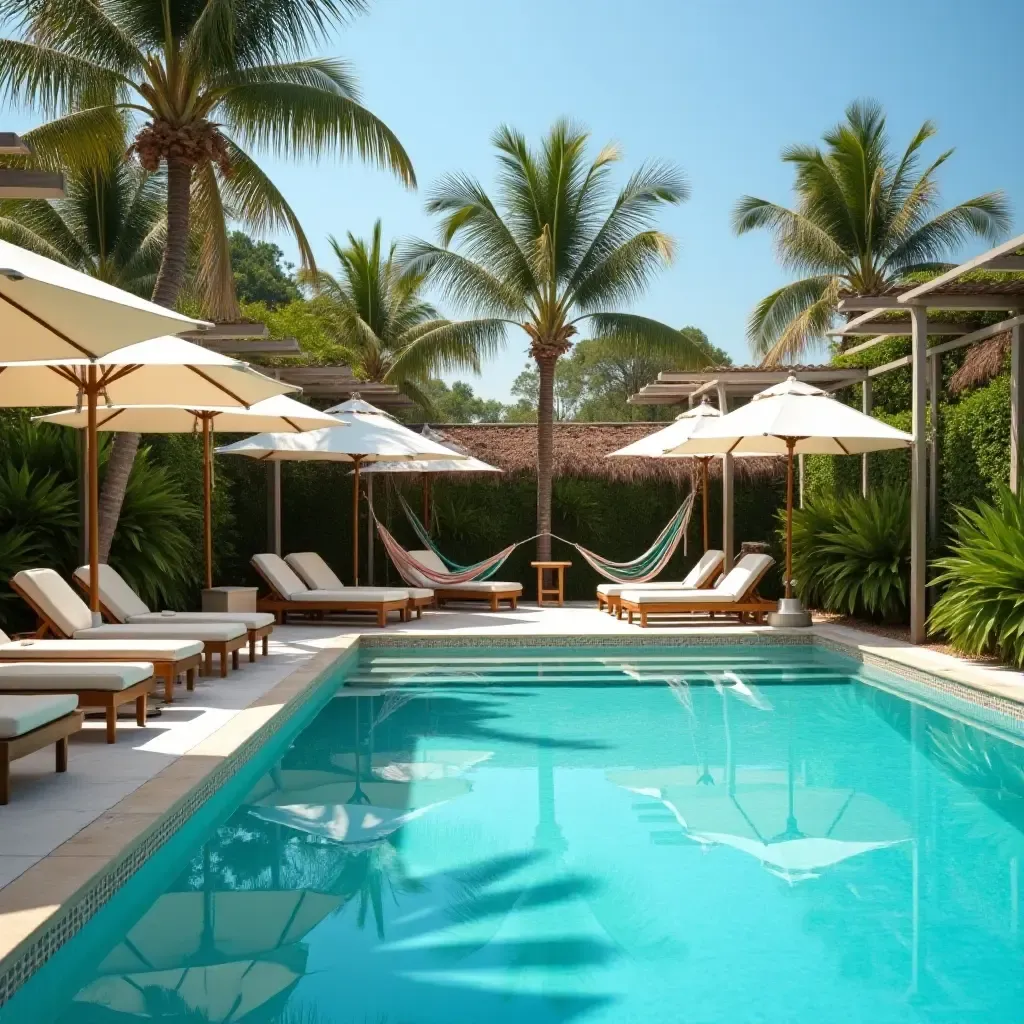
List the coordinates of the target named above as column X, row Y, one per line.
column 82, row 27
column 214, row 277
column 631, row 334
column 448, row 347
column 624, row 274
column 78, row 141
column 805, row 329
column 793, row 232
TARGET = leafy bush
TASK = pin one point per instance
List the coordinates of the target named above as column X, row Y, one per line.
column 981, row 610
column 851, row 554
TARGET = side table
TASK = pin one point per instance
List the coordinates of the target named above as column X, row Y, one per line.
column 558, row 591
column 230, row 599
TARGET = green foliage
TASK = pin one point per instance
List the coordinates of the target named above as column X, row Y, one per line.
column 864, row 218
column 458, row 403
column 261, row 275
column 982, row 608
column 851, row 554
column 306, row 320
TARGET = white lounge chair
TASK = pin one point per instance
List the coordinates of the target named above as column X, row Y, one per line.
column 310, row 567
column 171, row 659
column 64, row 614
column 703, row 574
column 735, row 595
column 491, row 591
column 289, row 594
column 103, row 685
column 29, row 723
column 121, row 604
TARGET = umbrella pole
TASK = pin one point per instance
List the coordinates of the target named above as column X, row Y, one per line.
column 91, row 394
column 207, row 501
column 704, row 499
column 790, row 443
column 355, row 520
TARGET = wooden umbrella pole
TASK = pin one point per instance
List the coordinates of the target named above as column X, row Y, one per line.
column 91, row 393
column 207, row 500
column 355, row 520
column 704, row 500
column 790, row 443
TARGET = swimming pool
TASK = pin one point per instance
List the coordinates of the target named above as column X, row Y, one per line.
column 483, row 835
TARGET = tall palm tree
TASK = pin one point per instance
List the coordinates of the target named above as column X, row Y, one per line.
column 193, row 84
column 558, row 250
column 380, row 321
column 863, row 219
column 110, row 225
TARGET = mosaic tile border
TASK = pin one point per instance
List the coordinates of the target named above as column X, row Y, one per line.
column 17, row 968
column 774, row 638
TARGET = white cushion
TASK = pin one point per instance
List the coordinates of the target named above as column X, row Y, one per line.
column 22, row 714
column 697, row 578
column 430, row 561
column 55, row 598
column 251, row 620
column 314, row 571
column 119, row 598
column 614, row 589
column 279, row 574
column 215, row 631
column 65, row 675
column 353, row 595
column 735, row 585
column 482, row 587
column 143, row 650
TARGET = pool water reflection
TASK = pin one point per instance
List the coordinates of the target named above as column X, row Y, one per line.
column 717, row 848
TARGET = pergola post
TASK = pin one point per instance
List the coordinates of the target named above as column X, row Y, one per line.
column 274, row 507
column 918, row 474
column 728, row 540
column 1016, row 406
column 934, row 384
column 866, row 404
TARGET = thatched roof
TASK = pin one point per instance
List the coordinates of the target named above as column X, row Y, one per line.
column 983, row 362
column 580, row 450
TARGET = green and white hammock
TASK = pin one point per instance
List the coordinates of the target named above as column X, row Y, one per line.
column 648, row 565
column 425, row 539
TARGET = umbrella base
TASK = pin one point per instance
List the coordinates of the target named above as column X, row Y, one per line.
column 791, row 613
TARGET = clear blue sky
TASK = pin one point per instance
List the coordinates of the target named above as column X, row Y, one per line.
column 717, row 86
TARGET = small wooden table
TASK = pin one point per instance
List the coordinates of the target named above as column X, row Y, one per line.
column 558, row 568
column 230, row 599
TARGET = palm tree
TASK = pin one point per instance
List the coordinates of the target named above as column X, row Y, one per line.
column 863, row 220
column 194, row 85
column 557, row 250
column 111, row 225
column 379, row 320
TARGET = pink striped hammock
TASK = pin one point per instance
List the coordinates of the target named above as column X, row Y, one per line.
column 414, row 572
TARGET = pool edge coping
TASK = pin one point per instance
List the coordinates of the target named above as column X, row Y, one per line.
column 85, row 871
column 48, row 903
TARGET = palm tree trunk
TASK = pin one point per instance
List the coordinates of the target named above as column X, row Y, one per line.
column 545, row 432
column 168, row 284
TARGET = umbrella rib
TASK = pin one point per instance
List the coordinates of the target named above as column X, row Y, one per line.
column 220, row 387
column 112, row 416
column 49, row 327
column 846, row 451
column 292, row 424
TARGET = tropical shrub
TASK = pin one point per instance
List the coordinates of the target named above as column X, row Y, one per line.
column 851, row 553
column 981, row 610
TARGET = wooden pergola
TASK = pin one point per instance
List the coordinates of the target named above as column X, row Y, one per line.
column 923, row 307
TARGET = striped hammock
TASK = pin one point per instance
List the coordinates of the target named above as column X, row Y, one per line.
column 414, row 572
column 648, row 565
column 427, row 541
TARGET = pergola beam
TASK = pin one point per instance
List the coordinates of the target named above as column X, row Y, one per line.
column 16, row 183
column 902, row 329
column 982, row 262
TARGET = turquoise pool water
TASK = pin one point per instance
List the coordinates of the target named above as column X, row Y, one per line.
column 529, row 836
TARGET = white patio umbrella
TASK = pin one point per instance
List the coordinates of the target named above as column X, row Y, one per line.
column 659, row 445
column 49, row 311
column 786, row 419
column 369, row 435
column 166, row 369
column 277, row 413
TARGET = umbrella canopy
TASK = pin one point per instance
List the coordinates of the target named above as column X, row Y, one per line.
column 167, row 369
column 49, row 311
column 277, row 413
column 369, row 435
column 792, row 418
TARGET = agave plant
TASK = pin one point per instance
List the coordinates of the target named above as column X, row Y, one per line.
column 981, row 611
column 851, row 553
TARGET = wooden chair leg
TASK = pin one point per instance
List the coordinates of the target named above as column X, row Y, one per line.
column 140, row 710
column 223, row 663
column 252, row 647
column 643, row 618
column 62, row 754
column 234, row 659
column 494, row 602
column 168, row 685
column 419, row 612
column 208, row 663
column 5, row 774
column 629, row 615
column 190, row 679
column 111, row 721
column 266, row 645
column 382, row 618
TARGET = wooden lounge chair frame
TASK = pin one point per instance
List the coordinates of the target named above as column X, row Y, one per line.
column 167, row 669
column 748, row 604
column 281, row 606
column 494, row 598
column 56, row 732
column 614, row 601
column 254, row 634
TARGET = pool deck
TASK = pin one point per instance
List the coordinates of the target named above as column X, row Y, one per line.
column 59, row 830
